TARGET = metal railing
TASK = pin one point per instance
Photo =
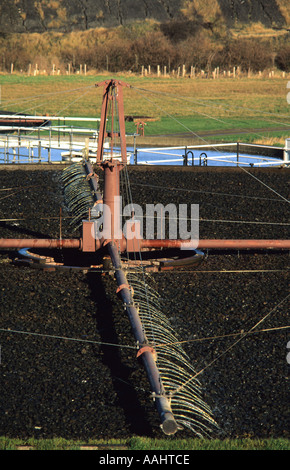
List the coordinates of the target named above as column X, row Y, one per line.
column 37, row 145
column 204, row 155
column 58, row 143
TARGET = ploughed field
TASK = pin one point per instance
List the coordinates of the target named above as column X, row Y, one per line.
column 52, row 386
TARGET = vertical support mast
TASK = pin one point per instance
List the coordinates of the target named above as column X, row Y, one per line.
column 113, row 90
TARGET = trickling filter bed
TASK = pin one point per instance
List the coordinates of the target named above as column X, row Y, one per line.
column 52, row 386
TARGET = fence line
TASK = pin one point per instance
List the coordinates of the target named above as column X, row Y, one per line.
column 237, row 158
column 179, row 72
column 71, row 142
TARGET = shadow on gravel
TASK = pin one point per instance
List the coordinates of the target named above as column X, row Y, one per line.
column 120, row 373
column 23, row 231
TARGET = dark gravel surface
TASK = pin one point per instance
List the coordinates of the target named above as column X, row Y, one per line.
column 55, row 387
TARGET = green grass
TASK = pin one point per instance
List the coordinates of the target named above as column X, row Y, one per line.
column 139, row 443
column 215, row 444
column 175, row 106
column 197, row 124
column 60, row 444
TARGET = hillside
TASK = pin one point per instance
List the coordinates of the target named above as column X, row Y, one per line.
column 19, row 16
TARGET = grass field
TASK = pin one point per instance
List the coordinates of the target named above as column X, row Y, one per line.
column 256, row 107
column 139, row 443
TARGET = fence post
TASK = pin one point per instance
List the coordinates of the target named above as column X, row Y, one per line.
column 19, row 141
column 135, row 156
column 39, row 151
column 49, row 147
column 70, row 144
column 185, row 162
column 5, row 150
column 286, row 155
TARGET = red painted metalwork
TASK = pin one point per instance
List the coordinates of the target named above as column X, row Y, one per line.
column 78, row 243
column 217, row 244
column 19, row 243
column 113, row 93
column 111, row 214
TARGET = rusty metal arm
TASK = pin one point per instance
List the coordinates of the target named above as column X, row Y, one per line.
column 185, row 244
column 93, row 180
column 40, row 243
column 109, row 86
column 168, row 423
column 217, row 243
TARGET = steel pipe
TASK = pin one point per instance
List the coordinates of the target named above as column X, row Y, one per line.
column 169, row 425
column 217, row 244
column 185, row 244
column 39, row 243
column 93, row 180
